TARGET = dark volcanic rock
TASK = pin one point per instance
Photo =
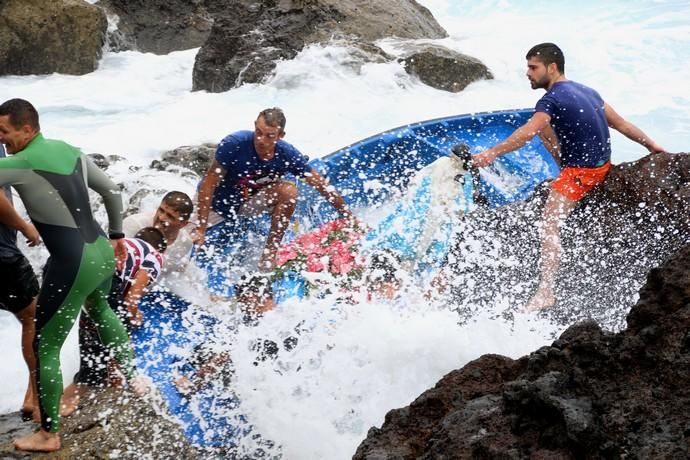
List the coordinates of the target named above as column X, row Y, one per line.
column 633, row 221
column 100, row 160
column 591, row 394
column 407, row 430
column 134, row 203
column 244, row 39
column 248, row 37
column 160, row 26
column 444, row 69
column 42, row 37
column 196, row 158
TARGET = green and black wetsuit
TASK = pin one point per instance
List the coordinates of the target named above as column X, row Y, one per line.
column 53, row 178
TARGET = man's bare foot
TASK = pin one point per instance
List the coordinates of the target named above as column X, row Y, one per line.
column 29, row 408
column 218, row 298
column 140, row 385
column 541, row 300
column 40, row 441
column 31, row 414
column 69, row 402
column 183, row 384
column 116, row 378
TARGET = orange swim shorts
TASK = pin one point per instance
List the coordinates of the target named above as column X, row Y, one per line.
column 575, row 183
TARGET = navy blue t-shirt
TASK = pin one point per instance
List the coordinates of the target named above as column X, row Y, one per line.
column 578, row 118
column 246, row 173
column 8, row 237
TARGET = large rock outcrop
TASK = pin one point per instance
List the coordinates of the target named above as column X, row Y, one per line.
column 196, row 158
column 43, row 37
column 160, row 26
column 445, row 69
column 591, row 394
column 249, row 37
column 633, row 221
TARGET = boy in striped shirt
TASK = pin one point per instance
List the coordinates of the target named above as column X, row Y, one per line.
column 140, row 270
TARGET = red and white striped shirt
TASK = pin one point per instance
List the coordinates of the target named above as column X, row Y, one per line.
column 140, row 255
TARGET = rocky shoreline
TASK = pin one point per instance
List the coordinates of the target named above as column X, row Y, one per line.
column 109, row 424
column 239, row 41
column 591, row 394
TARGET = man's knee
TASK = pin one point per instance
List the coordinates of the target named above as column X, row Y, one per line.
column 558, row 206
column 286, row 192
column 27, row 315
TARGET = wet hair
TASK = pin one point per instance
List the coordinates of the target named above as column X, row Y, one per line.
column 180, row 202
column 21, row 113
column 548, row 53
column 154, row 237
column 274, row 117
column 256, row 285
column 383, row 267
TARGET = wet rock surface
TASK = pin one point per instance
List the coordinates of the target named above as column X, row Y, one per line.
column 592, row 393
column 43, row 37
column 195, row 158
column 160, row 26
column 109, row 424
column 444, row 69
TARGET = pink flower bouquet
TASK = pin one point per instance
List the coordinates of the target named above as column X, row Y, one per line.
column 331, row 250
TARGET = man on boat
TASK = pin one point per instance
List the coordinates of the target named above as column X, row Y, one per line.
column 245, row 179
column 573, row 123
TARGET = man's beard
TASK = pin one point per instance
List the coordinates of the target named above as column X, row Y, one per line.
column 539, row 84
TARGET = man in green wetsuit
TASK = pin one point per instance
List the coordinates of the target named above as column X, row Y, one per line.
column 52, row 179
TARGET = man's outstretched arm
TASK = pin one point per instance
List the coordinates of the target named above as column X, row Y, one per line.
column 630, row 131
column 208, row 186
column 112, row 199
column 133, row 296
column 326, row 190
column 550, row 141
column 9, row 217
column 520, row 137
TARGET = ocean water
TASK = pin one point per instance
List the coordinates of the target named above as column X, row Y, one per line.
column 635, row 53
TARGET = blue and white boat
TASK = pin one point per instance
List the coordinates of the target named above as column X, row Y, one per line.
column 369, row 174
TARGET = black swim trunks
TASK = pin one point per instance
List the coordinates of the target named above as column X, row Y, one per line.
column 19, row 284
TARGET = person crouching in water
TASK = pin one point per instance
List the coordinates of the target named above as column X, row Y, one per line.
column 141, row 269
column 382, row 277
column 209, row 361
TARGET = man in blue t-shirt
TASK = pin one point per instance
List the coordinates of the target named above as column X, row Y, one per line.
column 245, row 180
column 573, row 123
